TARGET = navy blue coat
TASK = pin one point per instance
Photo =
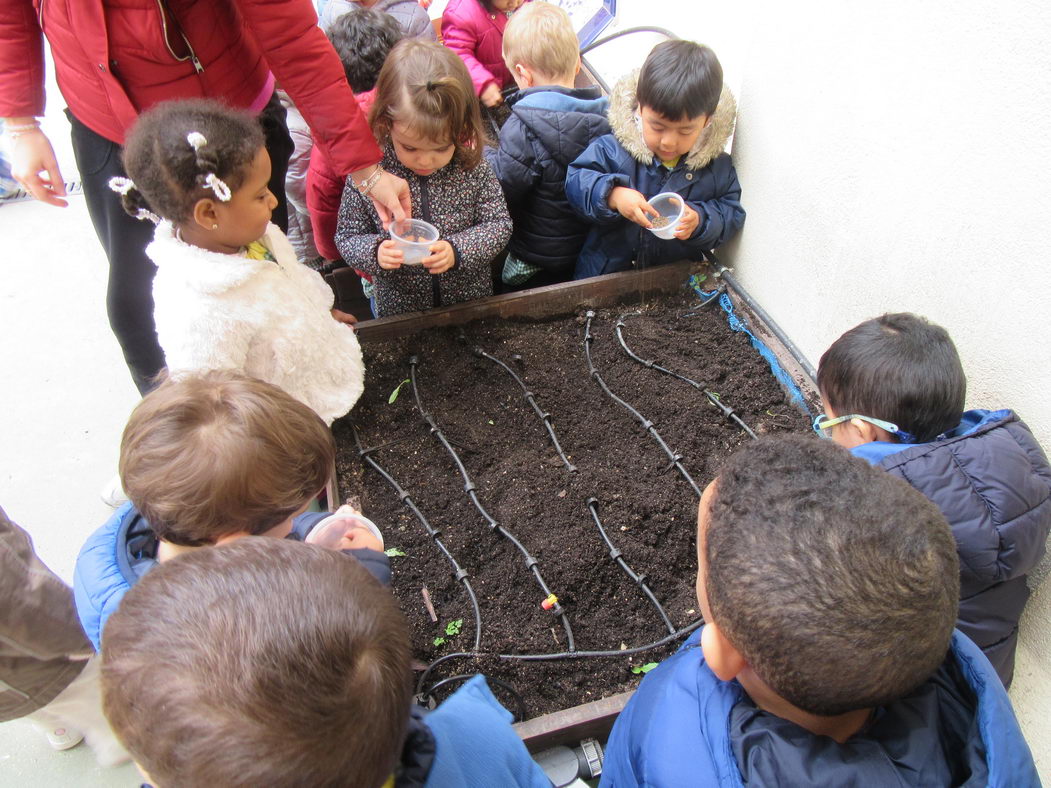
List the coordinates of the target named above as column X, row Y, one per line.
column 548, row 128
column 705, row 177
column 992, row 481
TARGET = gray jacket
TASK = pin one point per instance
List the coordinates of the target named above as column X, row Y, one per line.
column 413, row 19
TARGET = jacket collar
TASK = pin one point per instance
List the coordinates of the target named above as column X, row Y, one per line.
column 204, row 271
column 712, row 141
column 972, row 422
column 559, row 98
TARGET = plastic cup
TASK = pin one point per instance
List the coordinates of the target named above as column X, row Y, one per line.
column 414, row 237
column 671, row 207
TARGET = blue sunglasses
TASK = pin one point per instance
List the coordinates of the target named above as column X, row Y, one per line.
column 823, row 423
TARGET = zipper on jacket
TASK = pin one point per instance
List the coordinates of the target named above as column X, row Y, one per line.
column 192, row 57
column 425, row 209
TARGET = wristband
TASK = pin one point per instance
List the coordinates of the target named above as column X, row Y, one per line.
column 369, row 183
column 14, row 132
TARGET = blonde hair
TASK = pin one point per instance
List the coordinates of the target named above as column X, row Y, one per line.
column 427, row 88
column 540, row 37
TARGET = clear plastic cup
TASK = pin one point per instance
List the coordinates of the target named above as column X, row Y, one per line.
column 671, row 207
column 329, row 531
column 414, row 237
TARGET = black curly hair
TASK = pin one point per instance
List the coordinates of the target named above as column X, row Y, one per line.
column 362, row 38
column 169, row 175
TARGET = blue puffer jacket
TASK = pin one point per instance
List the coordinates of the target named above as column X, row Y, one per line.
column 118, row 554
column 991, row 480
column 548, row 128
column 685, row 727
column 705, row 177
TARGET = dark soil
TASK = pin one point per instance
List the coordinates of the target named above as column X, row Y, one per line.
column 648, row 511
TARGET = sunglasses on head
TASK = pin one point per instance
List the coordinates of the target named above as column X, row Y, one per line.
column 822, row 424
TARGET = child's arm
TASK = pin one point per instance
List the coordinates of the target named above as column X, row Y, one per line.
column 461, row 39
column 357, row 232
column 591, row 178
column 476, row 246
column 719, row 218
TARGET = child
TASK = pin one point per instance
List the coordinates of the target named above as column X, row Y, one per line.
column 671, row 122
column 252, row 664
column 229, row 292
column 893, row 390
column 474, row 30
column 410, row 16
column 427, row 120
column 205, row 459
column 828, row 658
column 551, row 123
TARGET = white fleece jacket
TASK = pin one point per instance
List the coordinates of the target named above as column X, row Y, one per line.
column 269, row 320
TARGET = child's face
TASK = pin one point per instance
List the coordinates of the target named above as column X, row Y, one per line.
column 243, row 219
column 669, row 139
column 422, row 156
column 507, row 5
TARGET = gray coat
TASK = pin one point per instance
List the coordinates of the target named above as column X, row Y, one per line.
column 413, row 19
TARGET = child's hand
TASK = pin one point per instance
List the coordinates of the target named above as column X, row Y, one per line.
column 491, row 96
column 688, row 223
column 389, row 256
column 344, row 317
column 441, row 259
column 632, row 205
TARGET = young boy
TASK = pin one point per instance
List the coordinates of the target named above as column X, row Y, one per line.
column 671, row 122
column 206, row 459
column 893, row 390
column 280, row 665
column 551, row 123
column 828, row 658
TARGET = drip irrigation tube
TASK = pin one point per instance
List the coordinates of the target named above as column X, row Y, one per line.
column 469, row 487
column 686, row 630
column 727, row 411
column 676, row 459
column 489, row 679
column 616, row 555
column 458, row 572
column 531, row 399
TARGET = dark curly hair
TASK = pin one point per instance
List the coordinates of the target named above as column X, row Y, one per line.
column 837, row 582
column 169, row 175
column 362, row 38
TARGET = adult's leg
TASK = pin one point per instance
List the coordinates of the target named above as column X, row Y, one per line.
column 279, row 145
column 129, row 293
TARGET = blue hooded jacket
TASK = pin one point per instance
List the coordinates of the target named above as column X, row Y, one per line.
column 992, row 481
column 705, row 177
column 124, row 549
column 685, row 727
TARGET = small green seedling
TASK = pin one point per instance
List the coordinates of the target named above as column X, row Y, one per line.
column 394, row 394
column 454, row 627
column 637, row 669
column 393, row 552
column 439, row 642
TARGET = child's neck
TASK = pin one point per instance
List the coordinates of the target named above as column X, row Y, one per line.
column 166, row 551
column 839, row 728
column 193, row 234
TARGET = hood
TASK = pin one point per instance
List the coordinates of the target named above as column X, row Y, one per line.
column 972, row 421
column 712, row 142
column 204, row 271
column 564, row 121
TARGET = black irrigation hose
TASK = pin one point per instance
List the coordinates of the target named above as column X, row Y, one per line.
column 458, row 572
column 612, row 653
column 728, row 412
column 469, row 488
column 489, row 679
column 676, row 459
column 531, row 399
column 423, row 676
column 616, row 555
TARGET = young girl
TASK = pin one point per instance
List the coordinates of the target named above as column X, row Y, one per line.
column 427, row 120
column 474, row 30
column 229, row 292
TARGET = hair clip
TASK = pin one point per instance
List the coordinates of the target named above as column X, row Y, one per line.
column 222, row 191
column 121, row 185
column 144, row 215
column 196, row 140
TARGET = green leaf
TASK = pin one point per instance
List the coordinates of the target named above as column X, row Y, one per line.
column 644, row 668
column 439, row 642
column 454, row 627
column 393, row 552
column 394, row 394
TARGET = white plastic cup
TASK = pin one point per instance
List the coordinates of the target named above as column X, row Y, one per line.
column 671, row 208
column 318, row 533
column 414, row 237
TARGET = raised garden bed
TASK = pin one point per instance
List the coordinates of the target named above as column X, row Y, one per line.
column 623, row 479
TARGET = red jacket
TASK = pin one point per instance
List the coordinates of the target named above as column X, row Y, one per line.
column 477, row 36
column 114, row 60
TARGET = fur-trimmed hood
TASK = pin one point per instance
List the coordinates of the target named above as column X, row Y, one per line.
column 622, row 108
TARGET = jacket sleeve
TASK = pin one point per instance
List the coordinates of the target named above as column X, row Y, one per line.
column 309, row 70
column 479, row 244
column 722, row 216
column 375, row 561
column 357, row 232
column 21, row 60
column 324, row 191
column 460, row 37
column 592, row 176
column 38, row 617
column 514, row 162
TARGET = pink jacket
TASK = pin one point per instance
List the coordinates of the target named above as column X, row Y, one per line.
column 477, row 36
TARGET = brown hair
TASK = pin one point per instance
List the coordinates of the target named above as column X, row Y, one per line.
column 259, row 662
column 837, row 582
column 426, row 87
column 216, row 453
column 540, row 36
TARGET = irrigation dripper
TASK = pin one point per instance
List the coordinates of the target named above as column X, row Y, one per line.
column 458, row 572
column 675, row 459
column 470, row 489
column 713, row 398
column 531, row 399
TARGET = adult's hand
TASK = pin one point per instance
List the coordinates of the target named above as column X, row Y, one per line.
column 391, row 197
column 33, row 164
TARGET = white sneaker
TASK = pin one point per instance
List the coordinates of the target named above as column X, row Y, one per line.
column 113, row 493
column 64, row 738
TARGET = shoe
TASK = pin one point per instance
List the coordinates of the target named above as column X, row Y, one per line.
column 64, row 738
column 113, row 494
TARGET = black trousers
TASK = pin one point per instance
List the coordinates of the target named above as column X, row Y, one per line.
column 129, row 292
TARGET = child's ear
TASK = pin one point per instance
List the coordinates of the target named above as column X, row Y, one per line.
column 205, row 215
column 720, row 655
column 577, row 69
column 870, row 432
column 523, row 76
